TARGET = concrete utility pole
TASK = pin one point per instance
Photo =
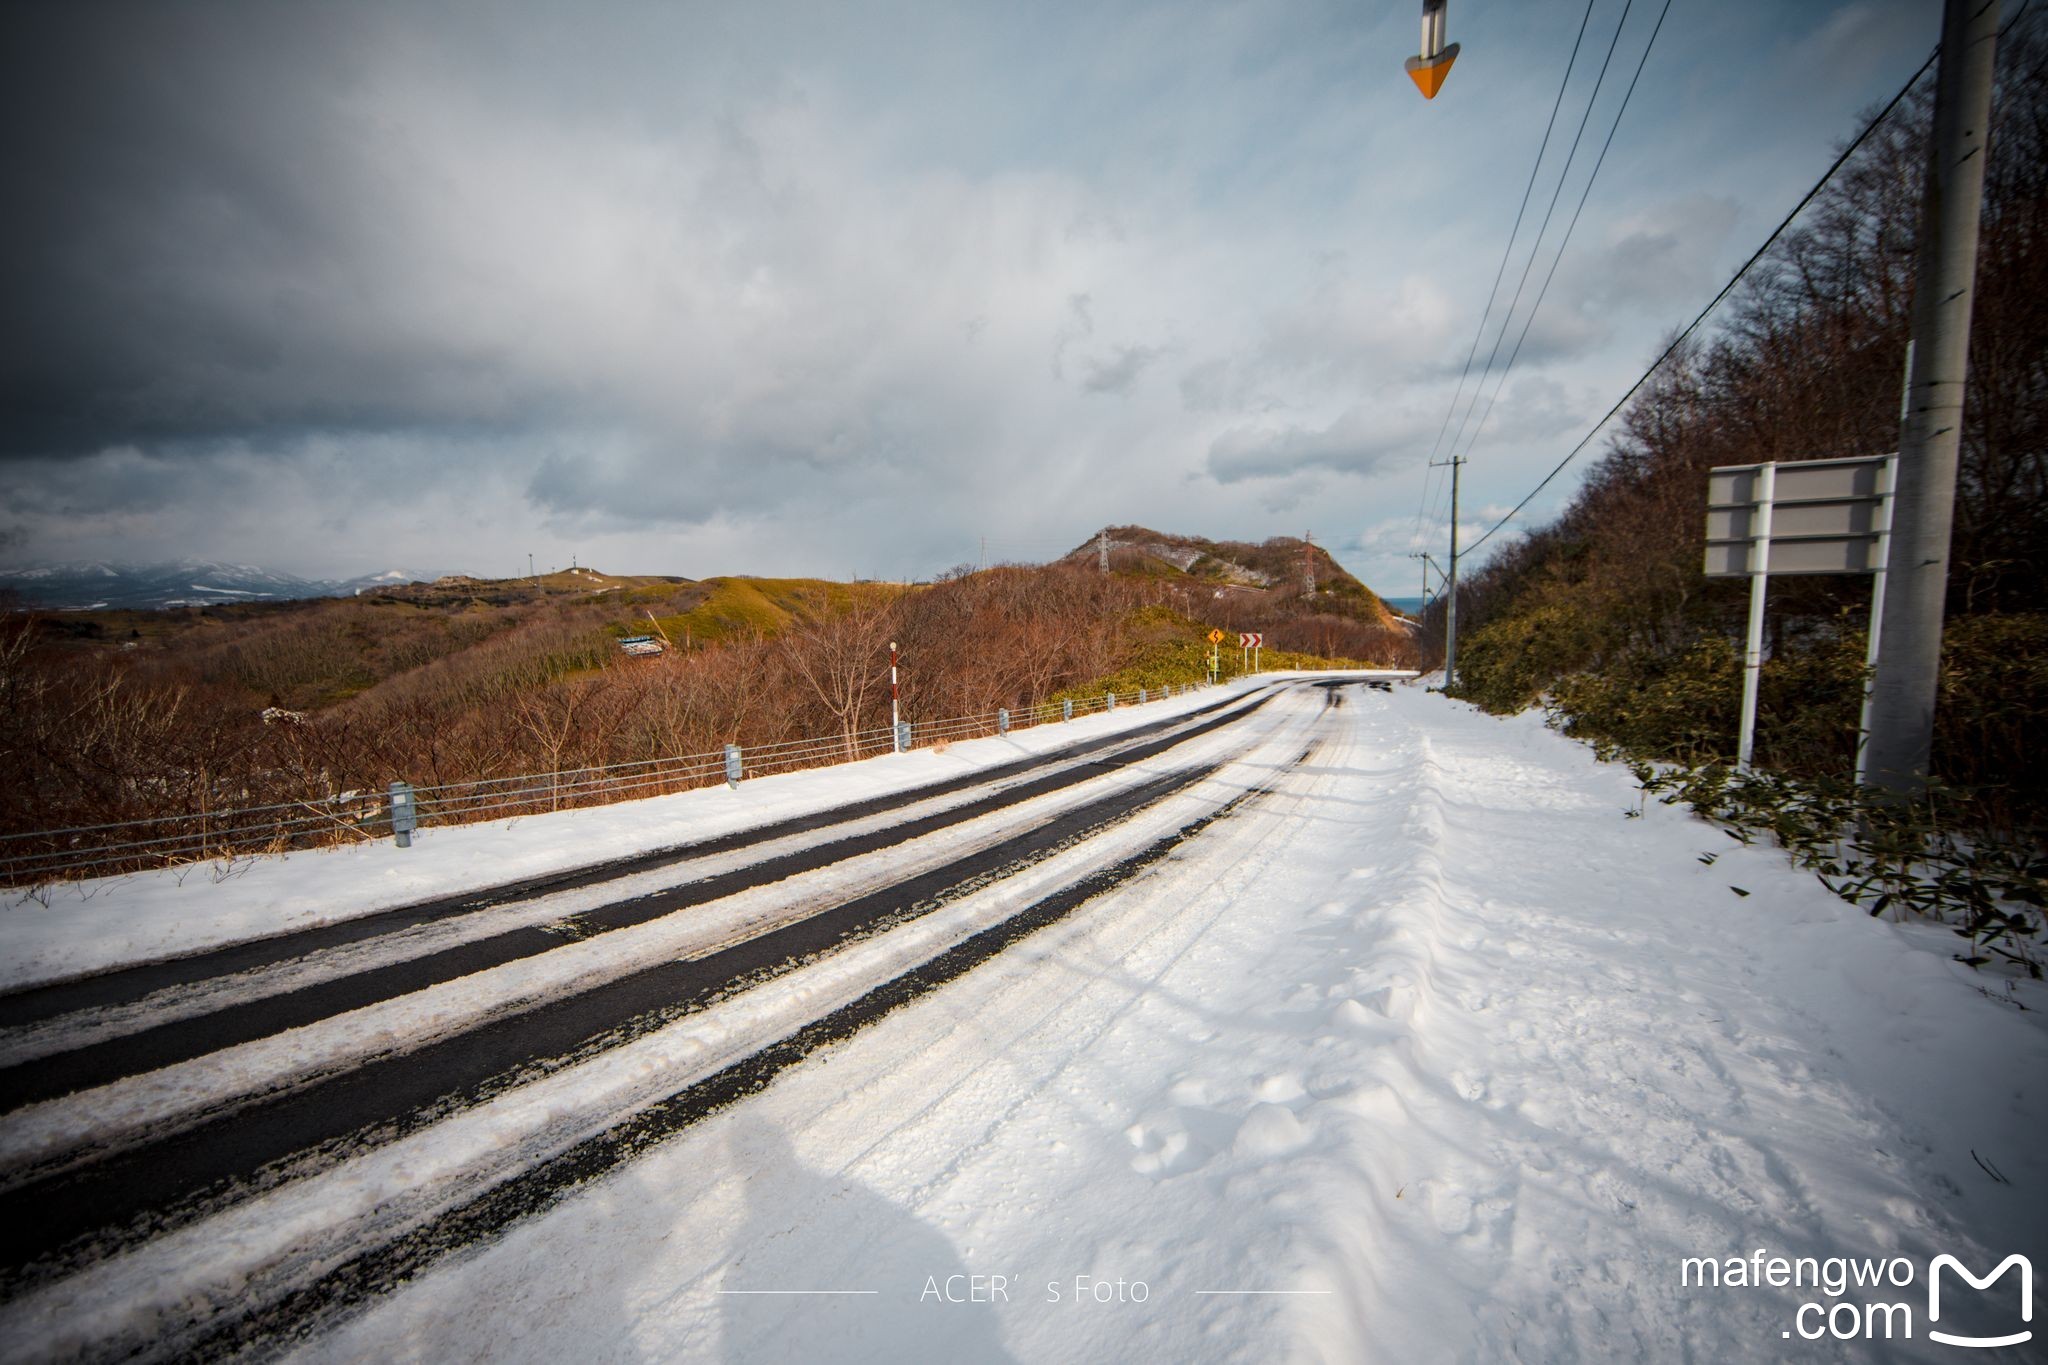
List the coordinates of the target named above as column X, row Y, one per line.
column 1102, row 548
column 1428, row 563
column 1902, row 693
column 1308, row 563
column 1456, row 462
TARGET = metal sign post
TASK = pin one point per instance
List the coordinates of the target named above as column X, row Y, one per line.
column 1807, row 517
column 1753, row 641
column 1432, row 64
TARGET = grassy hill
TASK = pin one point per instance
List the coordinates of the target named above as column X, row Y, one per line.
column 720, row 609
column 126, row 715
column 462, row 642
column 1266, row 583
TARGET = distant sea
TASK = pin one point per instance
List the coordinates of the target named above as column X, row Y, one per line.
column 1407, row 606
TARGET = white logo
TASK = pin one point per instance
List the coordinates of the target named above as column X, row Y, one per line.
column 2026, row 1298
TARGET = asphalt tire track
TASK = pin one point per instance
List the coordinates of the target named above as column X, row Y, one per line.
column 126, row 985
column 52, row 1224
column 83, row 1067
column 306, row 1310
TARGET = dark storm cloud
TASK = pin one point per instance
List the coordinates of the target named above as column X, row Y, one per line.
column 206, row 232
column 331, row 286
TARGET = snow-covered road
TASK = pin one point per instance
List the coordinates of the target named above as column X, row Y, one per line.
column 1348, row 1026
column 304, row 1130
column 1432, row 1054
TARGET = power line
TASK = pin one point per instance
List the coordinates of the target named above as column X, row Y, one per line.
column 1507, row 254
column 1551, row 274
column 1716, row 301
column 1536, row 249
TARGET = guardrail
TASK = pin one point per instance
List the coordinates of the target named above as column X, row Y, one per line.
column 32, row 857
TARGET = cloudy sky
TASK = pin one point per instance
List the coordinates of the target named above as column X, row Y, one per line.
column 846, row 287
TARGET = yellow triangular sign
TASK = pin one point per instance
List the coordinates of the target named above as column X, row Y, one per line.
column 1428, row 73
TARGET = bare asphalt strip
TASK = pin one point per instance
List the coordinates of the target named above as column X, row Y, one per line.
column 182, row 1039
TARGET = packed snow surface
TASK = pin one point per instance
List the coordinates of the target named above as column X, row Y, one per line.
column 1430, row 1054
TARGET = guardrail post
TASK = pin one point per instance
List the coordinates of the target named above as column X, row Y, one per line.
column 1109, row 701
column 1002, row 720
column 405, row 812
column 902, row 735
column 1067, row 709
column 732, row 766
column 1141, row 696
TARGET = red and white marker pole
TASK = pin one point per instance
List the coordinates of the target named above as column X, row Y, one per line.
column 895, row 717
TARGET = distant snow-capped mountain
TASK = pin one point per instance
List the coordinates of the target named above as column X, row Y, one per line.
column 189, row 582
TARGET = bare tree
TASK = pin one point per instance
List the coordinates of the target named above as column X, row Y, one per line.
column 843, row 660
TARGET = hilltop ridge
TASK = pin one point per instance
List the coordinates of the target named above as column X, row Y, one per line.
column 1270, row 581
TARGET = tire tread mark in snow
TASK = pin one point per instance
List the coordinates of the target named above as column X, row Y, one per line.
column 301, row 1312
column 54, row 1223
column 146, row 1049
column 126, row 985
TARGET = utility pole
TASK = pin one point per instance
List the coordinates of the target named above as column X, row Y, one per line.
column 1308, row 563
column 1456, row 462
column 1428, row 563
column 1102, row 548
column 1902, row 692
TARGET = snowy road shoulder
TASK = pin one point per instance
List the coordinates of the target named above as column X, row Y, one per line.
column 1430, row 1055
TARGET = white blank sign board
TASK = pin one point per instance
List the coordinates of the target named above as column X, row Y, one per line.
column 1826, row 517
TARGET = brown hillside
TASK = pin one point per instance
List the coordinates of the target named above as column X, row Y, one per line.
column 1263, row 587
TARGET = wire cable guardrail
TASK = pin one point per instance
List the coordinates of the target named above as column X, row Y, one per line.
column 32, row 857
